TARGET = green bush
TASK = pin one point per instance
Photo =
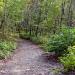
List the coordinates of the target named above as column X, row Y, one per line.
column 68, row 60
column 24, row 35
column 6, row 48
column 39, row 39
column 36, row 39
column 60, row 42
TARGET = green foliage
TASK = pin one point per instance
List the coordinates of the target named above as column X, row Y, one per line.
column 40, row 40
column 60, row 42
column 36, row 39
column 68, row 60
column 24, row 35
column 6, row 48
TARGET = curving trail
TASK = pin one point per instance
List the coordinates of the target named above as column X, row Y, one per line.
column 28, row 59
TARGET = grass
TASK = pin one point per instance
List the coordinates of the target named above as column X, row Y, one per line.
column 6, row 47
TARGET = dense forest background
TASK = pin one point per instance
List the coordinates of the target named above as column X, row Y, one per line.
column 49, row 23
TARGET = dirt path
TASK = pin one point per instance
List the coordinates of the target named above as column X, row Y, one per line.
column 28, row 59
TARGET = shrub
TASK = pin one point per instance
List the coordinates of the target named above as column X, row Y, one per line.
column 60, row 42
column 6, row 48
column 40, row 39
column 68, row 60
column 24, row 35
column 36, row 39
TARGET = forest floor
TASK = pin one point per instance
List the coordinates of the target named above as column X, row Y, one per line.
column 29, row 59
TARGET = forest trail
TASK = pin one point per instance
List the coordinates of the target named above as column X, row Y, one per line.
column 28, row 59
